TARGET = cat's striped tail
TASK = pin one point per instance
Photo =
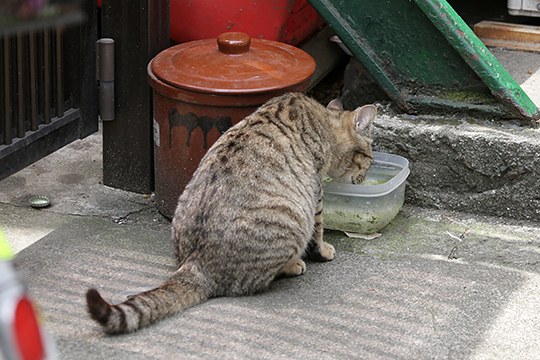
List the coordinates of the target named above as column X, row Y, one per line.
column 180, row 292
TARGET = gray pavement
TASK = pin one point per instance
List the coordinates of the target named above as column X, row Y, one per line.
column 435, row 285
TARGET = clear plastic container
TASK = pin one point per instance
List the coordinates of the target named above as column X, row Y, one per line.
column 368, row 207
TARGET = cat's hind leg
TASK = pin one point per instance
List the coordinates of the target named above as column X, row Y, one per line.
column 317, row 249
column 294, row 267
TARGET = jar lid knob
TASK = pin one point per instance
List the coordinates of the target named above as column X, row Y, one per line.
column 233, row 42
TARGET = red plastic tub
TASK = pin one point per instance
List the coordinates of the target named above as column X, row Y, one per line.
column 288, row 21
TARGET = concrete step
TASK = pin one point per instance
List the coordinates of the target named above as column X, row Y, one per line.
column 490, row 168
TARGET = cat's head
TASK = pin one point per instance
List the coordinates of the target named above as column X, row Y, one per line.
column 352, row 153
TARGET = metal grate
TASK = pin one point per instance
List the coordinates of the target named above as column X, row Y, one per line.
column 31, row 81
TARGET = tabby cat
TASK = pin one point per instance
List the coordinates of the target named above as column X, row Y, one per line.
column 253, row 208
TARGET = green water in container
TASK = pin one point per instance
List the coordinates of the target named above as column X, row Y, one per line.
column 365, row 215
column 380, row 173
column 377, row 174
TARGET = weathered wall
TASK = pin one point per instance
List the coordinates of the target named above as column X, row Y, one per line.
column 485, row 169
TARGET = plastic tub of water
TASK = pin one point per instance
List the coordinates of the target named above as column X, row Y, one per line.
column 368, row 207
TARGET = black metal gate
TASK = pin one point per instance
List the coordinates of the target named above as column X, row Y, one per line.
column 48, row 91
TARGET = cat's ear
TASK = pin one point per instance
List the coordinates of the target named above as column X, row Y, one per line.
column 364, row 118
column 335, row 105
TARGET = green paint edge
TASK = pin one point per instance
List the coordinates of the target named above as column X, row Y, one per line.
column 344, row 30
column 478, row 57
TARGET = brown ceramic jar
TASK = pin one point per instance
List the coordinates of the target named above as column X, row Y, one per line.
column 202, row 88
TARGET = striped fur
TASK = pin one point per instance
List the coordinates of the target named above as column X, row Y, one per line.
column 253, row 208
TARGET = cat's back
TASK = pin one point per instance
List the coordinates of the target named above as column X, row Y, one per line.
column 261, row 170
column 271, row 149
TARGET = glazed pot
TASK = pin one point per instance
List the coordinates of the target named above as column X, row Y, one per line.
column 202, row 88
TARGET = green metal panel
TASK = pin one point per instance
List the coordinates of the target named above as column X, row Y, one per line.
column 424, row 56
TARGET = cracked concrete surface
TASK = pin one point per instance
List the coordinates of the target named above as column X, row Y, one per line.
column 71, row 179
column 484, row 168
column 71, row 183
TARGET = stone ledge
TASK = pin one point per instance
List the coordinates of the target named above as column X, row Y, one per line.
column 491, row 169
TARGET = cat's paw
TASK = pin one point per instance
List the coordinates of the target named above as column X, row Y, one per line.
column 293, row 267
column 321, row 251
column 327, row 251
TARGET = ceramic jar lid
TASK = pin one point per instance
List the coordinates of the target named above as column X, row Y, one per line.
column 233, row 64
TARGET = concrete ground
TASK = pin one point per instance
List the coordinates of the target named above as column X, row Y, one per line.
column 435, row 285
